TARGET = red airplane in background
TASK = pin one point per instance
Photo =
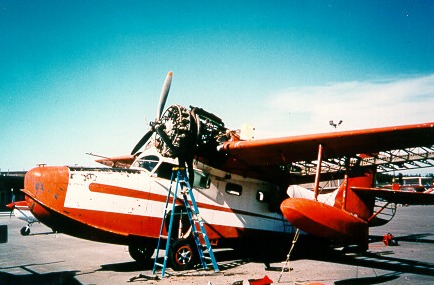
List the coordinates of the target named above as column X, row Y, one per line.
column 21, row 211
column 246, row 190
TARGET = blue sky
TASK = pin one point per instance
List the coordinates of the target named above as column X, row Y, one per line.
column 85, row 76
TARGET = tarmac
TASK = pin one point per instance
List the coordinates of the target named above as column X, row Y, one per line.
column 45, row 257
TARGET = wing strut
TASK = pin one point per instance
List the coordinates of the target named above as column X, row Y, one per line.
column 318, row 172
column 378, row 212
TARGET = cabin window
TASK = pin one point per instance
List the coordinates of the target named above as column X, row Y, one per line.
column 201, row 180
column 262, row 196
column 234, row 189
column 147, row 162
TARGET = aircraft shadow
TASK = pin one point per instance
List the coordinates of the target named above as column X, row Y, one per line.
column 380, row 261
column 130, row 266
column 33, row 277
column 369, row 280
column 419, row 238
column 52, row 278
column 226, row 259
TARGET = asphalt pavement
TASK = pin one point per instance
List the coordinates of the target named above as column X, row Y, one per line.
column 45, row 257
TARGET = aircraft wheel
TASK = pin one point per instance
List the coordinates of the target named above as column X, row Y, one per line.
column 141, row 252
column 25, row 231
column 182, row 255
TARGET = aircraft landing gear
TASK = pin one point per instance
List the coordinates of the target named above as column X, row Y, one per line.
column 183, row 254
column 25, row 231
column 141, row 252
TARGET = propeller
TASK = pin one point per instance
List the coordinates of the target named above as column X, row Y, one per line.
column 164, row 93
column 155, row 126
column 183, row 133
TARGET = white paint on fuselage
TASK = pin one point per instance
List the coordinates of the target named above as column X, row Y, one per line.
column 243, row 211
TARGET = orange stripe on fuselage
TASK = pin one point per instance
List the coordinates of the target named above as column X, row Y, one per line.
column 126, row 192
column 119, row 191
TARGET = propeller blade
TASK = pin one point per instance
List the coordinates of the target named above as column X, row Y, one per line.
column 142, row 141
column 166, row 139
column 164, row 94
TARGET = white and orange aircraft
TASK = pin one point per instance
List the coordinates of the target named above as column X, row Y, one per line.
column 240, row 186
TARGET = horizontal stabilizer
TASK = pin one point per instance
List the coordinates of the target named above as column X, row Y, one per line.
column 397, row 196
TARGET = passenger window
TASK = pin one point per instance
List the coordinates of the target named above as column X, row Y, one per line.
column 262, row 196
column 201, row 180
column 234, row 189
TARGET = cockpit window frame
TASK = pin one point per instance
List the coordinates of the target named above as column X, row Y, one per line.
column 156, row 166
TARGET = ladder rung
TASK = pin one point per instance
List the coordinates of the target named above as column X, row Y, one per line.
column 163, row 236
column 158, row 264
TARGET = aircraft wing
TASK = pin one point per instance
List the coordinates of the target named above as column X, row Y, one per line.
column 396, row 196
column 388, row 148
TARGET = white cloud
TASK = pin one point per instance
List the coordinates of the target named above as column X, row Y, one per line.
column 367, row 104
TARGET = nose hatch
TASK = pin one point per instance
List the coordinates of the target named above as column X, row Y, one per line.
column 47, row 185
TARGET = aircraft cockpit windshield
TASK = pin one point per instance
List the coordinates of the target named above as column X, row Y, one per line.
column 148, row 162
column 153, row 165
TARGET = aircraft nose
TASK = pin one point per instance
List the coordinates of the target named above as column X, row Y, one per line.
column 46, row 185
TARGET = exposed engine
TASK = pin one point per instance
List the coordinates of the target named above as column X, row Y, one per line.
column 185, row 133
column 189, row 132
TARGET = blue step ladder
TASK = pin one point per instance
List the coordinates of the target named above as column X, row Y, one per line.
column 200, row 237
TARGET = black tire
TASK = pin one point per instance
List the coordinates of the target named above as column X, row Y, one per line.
column 176, row 219
column 25, row 231
column 182, row 254
column 141, row 252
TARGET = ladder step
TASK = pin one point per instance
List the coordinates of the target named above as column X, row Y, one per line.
column 163, row 236
column 158, row 264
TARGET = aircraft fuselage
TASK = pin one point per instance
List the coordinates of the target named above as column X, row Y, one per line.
column 126, row 205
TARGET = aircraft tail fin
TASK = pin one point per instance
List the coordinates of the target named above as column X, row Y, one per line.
column 350, row 201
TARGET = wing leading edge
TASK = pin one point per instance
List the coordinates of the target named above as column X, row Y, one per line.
column 336, row 144
column 366, row 146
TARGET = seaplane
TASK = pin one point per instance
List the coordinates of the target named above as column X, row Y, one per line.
column 21, row 210
column 252, row 192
